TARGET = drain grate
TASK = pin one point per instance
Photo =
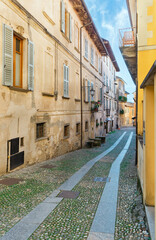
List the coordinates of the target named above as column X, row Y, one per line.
column 48, row 166
column 69, row 194
column 100, row 179
column 10, row 181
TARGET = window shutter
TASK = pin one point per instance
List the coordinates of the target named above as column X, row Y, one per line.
column 88, row 91
column 67, row 72
column 7, row 55
column 101, row 95
column 30, row 65
column 63, row 17
column 92, row 87
column 70, row 27
column 64, row 80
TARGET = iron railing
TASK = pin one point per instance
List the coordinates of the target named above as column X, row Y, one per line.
column 127, row 37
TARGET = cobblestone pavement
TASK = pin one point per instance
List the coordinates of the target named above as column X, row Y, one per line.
column 72, row 218
column 18, row 200
column 131, row 222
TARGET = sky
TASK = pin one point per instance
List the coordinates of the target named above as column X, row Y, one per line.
column 109, row 16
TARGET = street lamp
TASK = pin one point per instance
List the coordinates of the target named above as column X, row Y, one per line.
column 81, row 79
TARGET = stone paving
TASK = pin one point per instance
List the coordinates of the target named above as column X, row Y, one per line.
column 131, row 223
column 72, row 218
column 18, row 200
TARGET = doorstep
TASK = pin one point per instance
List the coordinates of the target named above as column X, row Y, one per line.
column 150, row 214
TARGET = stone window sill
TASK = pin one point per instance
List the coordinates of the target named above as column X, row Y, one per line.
column 19, row 89
column 65, row 97
column 47, row 94
column 77, row 100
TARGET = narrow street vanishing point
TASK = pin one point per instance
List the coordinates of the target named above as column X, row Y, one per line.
column 86, row 194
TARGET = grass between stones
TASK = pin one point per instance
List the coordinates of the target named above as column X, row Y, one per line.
column 18, row 200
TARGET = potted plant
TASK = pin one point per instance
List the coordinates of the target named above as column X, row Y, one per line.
column 97, row 124
column 101, row 123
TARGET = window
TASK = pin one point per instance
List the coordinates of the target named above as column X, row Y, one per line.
column 104, row 78
column 77, row 86
column 13, row 57
column 22, row 142
column 66, row 81
column 85, row 90
column 66, row 22
column 48, row 80
column 66, row 131
column 97, row 124
column 77, row 128
column 132, row 112
column 110, row 84
column 86, row 126
column 40, row 130
column 17, row 61
column 76, row 37
column 86, row 48
column 100, row 65
column 106, row 81
column 92, row 56
column 104, row 104
column 101, row 95
column 92, row 87
column 88, row 91
column 96, row 61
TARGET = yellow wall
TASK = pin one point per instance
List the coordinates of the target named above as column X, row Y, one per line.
column 149, row 186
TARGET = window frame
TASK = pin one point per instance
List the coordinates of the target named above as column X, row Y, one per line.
column 78, row 127
column 44, row 130
column 14, row 61
column 68, row 133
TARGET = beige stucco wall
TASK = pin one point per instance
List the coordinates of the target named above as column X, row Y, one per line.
column 20, row 111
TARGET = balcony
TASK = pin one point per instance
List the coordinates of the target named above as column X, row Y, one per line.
column 108, row 112
column 127, row 45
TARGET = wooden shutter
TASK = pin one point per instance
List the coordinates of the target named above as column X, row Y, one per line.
column 62, row 16
column 30, row 66
column 70, row 28
column 7, row 55
column 88, row 91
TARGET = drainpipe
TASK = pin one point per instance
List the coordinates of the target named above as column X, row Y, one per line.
column 81, row 87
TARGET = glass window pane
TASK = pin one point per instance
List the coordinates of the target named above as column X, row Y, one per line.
column 17, row 45
column 17, row 79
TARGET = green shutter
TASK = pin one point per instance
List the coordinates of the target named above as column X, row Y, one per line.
column 30, row 66
column 7, row 55
column 62, row 16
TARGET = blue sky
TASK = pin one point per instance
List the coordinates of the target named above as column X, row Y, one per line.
column 109, row 16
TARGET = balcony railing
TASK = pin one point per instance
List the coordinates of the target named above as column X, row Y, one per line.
column 107, row 112
column 127, row 37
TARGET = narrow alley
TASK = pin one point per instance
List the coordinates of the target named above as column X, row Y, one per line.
column 81, row 195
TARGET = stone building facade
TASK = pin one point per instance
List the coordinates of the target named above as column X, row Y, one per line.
column 40, row 88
